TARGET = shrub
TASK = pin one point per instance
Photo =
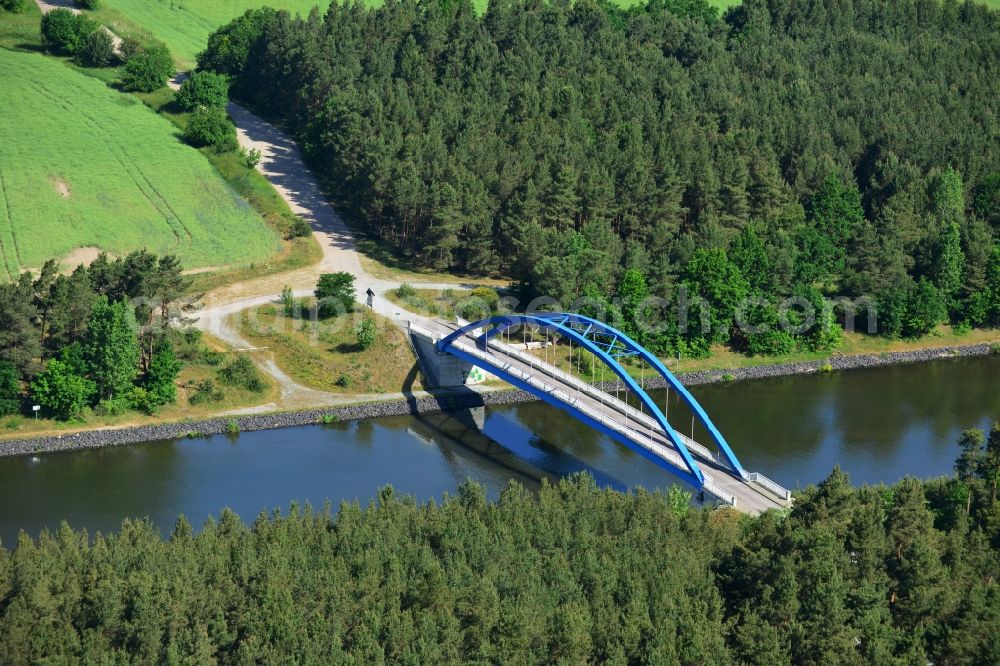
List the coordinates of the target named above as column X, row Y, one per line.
column 12, row 424
column 64, row 32
column 995, row 348
column 212, row 358
column 327, row 419
column 488, row 296
column 205, row 392
column 244, row 374
column 203, row 89
column 14, row 6
column 210, row 126
column 299, row 229
column 344, row 380
column 112, row 406
column 252, row 158
column 87, row 4
column 130, row 46
column 405, row 291
column 232, row 427
column 143, row 400
column 728, row 378
column 148, row 70
column 98, row 50
column 826, row 367
column 367, row 332
column 288, row 302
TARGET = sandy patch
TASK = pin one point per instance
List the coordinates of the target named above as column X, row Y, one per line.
column 203, row 269
column 60, row 186
column 81, row 255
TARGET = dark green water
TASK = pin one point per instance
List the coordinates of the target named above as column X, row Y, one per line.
column 879, row 425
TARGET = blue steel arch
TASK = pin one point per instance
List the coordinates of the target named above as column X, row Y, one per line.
column 668, row 377
column 614, row 344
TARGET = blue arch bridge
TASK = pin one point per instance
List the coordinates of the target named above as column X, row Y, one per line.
column 520, row 349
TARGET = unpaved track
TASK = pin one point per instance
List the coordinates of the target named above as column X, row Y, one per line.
column 282, row 164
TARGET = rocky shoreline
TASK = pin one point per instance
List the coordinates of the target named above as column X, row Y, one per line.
column 452, row 400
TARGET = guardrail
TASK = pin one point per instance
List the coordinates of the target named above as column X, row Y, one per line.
column 616, row 404
column 771, row 486
column 635, row 436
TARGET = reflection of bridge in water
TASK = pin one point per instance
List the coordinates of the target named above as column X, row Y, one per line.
column 502, row 346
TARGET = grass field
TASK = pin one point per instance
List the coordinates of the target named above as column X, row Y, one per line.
column 325, row 355
column 185, row 25
column 84, row 166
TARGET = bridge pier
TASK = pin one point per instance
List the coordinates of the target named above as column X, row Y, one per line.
column 440, row 369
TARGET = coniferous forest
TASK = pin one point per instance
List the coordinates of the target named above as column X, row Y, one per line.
column 573, row 574
column 787, row 148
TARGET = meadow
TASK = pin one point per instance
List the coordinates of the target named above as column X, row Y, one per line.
column 85, row 166
column 185, row 26
column 325, row 354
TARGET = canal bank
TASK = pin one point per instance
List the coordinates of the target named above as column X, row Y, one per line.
column 445, row 400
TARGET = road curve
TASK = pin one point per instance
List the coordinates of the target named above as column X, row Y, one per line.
column 282, row 164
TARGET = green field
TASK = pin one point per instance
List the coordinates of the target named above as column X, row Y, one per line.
column 82, row 165
column 185, row 26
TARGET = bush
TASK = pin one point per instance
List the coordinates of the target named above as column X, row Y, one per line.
column 488, row 296
column 299, row 229
column 252, row 158
column 232, row 427
column 367, row 332
column 130, row 47
column 406, row 291
column 142, row 400
column 64, row 32
column 14, row 6
column 210, row 126
column 87, row 4
column 203, row 89
column 205, row 392
column 344, row 381
column 148, row 70
column 112, row 406
column 98, row 50
column 243, row 374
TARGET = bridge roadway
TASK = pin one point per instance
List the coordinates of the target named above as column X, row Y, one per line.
column 721, row 481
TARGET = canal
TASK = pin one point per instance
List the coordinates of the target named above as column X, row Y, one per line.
column 878, row 424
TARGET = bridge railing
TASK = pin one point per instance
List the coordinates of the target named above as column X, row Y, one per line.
column 594, row 392
column 633, row 435
column 771, row 486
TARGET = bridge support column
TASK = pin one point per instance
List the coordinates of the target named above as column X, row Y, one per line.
column 440, row 369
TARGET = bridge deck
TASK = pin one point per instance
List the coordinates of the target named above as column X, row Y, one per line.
column 615, row 415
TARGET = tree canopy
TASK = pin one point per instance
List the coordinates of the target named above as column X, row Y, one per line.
column 571, row 574
column 567, row 143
